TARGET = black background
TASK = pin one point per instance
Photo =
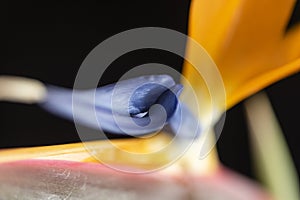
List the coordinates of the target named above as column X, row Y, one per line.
column 49, row 40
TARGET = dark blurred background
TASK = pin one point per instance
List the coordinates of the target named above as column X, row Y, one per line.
column 49, row 40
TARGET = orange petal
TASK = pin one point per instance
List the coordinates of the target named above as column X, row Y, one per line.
column 247, row 40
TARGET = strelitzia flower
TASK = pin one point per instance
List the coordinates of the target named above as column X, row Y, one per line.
column 251, row 52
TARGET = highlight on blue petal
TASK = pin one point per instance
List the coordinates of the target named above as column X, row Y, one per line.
column 135, row 106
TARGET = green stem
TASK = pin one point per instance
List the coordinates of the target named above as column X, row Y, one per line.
column 271, row 154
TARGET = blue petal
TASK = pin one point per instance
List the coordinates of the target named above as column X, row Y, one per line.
column 124, row 98
column 169, row 99
column 135, row 106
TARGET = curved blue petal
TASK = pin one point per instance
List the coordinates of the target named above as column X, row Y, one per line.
column 124, row 99
column 135, row 106
column 169, row 99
